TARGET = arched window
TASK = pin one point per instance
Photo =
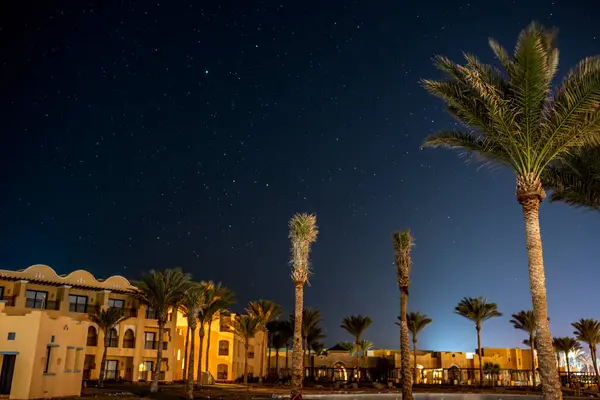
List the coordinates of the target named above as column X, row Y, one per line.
column 129, row 339
column 250, row 351
column 113, row 338
column 222, row 370
column 223, row 347
column 92, row 337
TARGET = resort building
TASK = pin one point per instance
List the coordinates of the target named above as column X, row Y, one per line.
column 46, row 336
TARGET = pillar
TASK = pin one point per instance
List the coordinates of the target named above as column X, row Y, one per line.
column 63, row 298
column 19, row 292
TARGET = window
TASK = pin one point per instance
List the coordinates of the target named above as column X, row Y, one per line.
column 112, row 371
column 48, row 356
column 150, row 340
column 150, row 313
column 78, row 303
column 116, row 303
column 223, row 348
column 92, row 337
column 222, row 372
column 1, row 292
column 225, row 324
column 145, row 372
column 250, row 351
column 113, row 338
column 129, row 339
column 11, row 335
column 36, row 299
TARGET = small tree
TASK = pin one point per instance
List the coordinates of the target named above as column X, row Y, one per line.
column 567, row 345
column 492, row 369
column 525, row 321
column 247, row 326
column 106, row 321
column 192, row 304
column 588, row 331
column 356, row 325
column 267, row 311
column 416, row 323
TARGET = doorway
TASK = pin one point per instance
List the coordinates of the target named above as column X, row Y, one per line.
column 6, row 374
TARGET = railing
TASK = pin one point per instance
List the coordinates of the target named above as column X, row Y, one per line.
column 438, row 376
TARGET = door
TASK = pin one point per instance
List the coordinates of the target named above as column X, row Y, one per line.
column 6, row 375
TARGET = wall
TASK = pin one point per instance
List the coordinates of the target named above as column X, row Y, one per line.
column 34, row 332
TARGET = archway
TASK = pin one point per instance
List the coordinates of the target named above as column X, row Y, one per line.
column 340, row 372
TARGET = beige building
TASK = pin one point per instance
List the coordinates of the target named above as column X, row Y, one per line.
column 46, row 336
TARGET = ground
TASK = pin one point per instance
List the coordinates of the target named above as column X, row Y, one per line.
column 241, row 392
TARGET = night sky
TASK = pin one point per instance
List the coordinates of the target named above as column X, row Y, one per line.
column 139, row 135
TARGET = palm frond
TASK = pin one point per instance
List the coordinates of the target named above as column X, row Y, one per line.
column 163, row 290
column 356, row 325
column 477, row 309
column 403, row 242
column 587, row 331
column 303, row 231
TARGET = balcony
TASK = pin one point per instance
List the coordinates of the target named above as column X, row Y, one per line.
column 42, row 304
column 153, row 345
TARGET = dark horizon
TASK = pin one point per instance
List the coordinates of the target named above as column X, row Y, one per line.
column 142, row 137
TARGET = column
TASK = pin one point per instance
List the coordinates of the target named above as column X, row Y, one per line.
column 20, row 293
column 102, row 302
column 63, row 298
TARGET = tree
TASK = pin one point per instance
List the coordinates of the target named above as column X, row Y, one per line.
column 267, row 311
column 525, row 321
column 162, row 291
column 303, row 232
column 567, row 345
column 517, row 119
column 491, row 369
column 218, row 300
column 356, row 325
column 588, row 331
column 106, row 321
column 575, row 180
column 403, row 242
column 478, row 310
column 192, row 304
column 280, row 335
column 247, row 326
column 416, row 323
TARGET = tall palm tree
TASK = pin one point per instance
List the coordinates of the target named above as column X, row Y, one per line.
column 588, row 331
column 106, row 320
column 478, row 310
column 403, row 242
column 247, row 326
column 267, row 311
column 416, row 323
column 356, row 325
column 192, row 304
column 516, row 118
column 218, row 300
column 162, row 291
column 279, row 340
column 525, row 321
column 303, row 232
column 286, row 330
column 576, row 179
column 567, row 345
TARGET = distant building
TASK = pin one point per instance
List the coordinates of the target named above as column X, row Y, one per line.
column 48, row 344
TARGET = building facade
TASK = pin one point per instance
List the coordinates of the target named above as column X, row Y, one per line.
column 46, row 336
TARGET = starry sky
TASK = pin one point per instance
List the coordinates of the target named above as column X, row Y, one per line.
column 145, row 134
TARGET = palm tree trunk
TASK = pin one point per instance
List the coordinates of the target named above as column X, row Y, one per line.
column 568, row 368
column 297, row 357
column 277, row 362
column 199, row 375
column 190, row 370
column 208, row 345
column 358, row 358
column 268, row 352
column 595, row 364
column 185, row 353
column 287, row 365
column 551, row 388
column 262, row 360
column 246, row 362
column 103, row 364
column 405, row 347
column 154, row 385
column 415, row 358
column 479, row 354
column 531, row 339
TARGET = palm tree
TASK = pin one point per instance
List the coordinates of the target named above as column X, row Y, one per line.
column 106, row 321
column 588, row 331
column 516, row 118
column 278, row 340
column 416, row 323
column 576, row 179
column 286, row 330
column 491, row 369
column 477, row 310
column 525, row 321
column 247, row 326
column 303, row 232
column 311, row 319
column 267, row 311
column 192, row 304
column 218, row 300
column 403, row 242
column 356, row 325
column 567, row 345
column 162, row 291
